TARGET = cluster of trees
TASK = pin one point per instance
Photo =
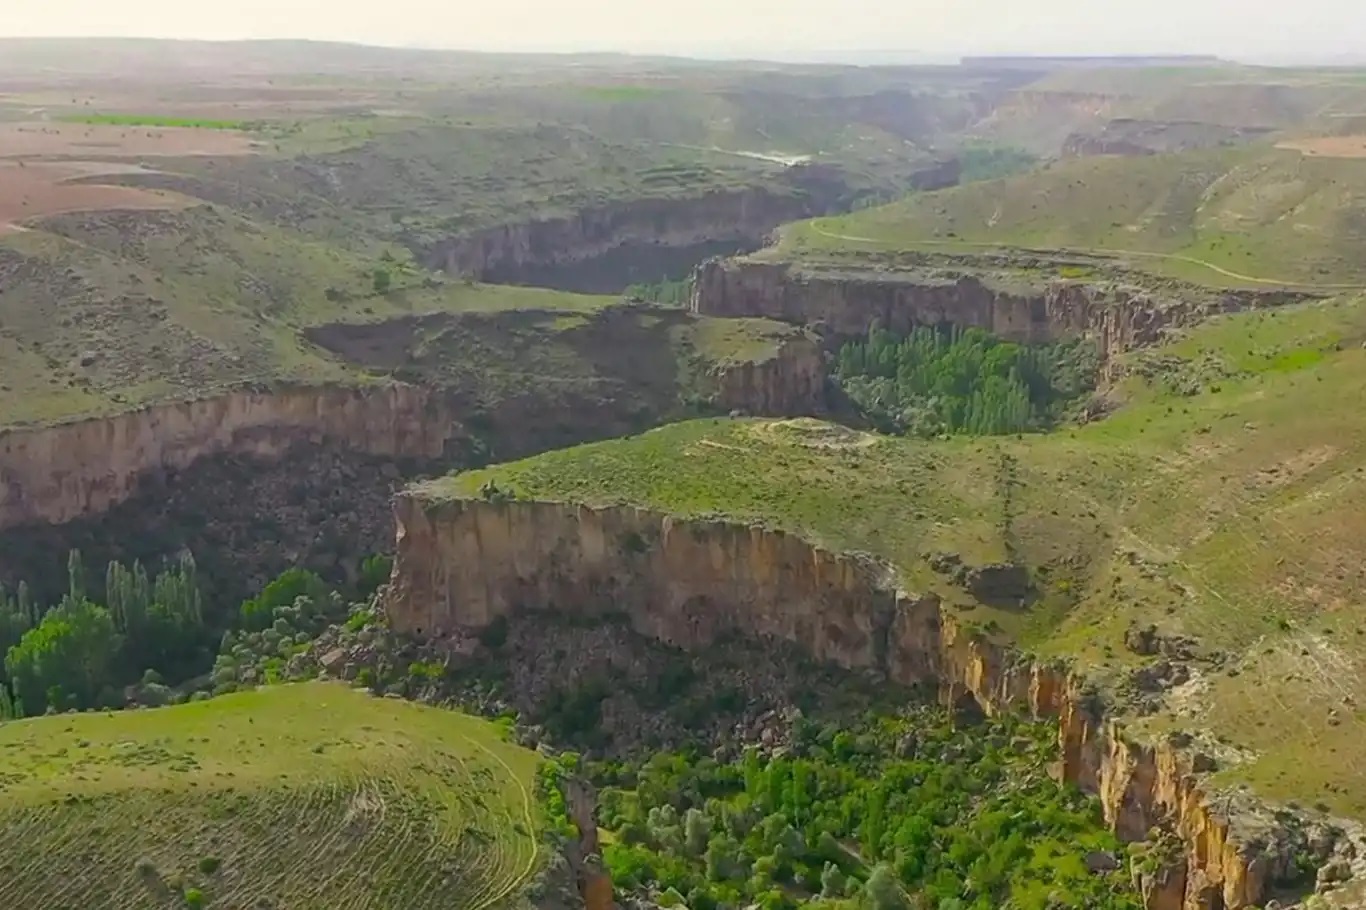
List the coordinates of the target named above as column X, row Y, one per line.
column 892, row 815
column 674, row 293
column 957, row 380
column 78, row 653
column 147, row 629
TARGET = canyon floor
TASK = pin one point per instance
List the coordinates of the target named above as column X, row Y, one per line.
column 571, row 340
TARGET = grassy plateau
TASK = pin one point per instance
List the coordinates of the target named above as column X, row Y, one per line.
column 1250, row 216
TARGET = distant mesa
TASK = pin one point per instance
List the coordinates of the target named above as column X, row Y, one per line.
column 1052, row 63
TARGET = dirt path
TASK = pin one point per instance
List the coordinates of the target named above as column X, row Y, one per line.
column 784, row 160
column 1143, row 254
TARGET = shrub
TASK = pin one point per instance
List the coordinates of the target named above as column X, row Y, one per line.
column 194, row 898
column 210, row 864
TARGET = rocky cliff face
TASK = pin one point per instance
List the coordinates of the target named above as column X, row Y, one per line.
column 743, row 217
column 461, row 564
column 56, row 474
column 792, row 383
column 847, row 305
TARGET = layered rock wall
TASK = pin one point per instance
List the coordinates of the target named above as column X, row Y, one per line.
column 59, row 473
column 461, row 564
column 743, row 216
column 846, row 305
column 81, row 469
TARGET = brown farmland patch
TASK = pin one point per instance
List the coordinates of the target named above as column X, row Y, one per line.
column 1328, row 146
column 36, row 140
column 34, row 190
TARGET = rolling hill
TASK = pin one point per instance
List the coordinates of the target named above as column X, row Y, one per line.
column 1254, row 215
column 308, row 796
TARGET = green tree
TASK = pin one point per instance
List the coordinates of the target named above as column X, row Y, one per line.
column 65, row 661
column 882, row 891
column 696, row 831
column 382, row 280
column 259, row 612
column 832, row 881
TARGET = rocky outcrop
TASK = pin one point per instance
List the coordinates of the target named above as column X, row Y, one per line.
column 59, row 473
column 791, row 383
column 846, row 305
column 744, row 217
column 461, row 564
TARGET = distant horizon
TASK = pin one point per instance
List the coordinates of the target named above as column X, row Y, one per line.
column 1256, row 31
column 851, row 56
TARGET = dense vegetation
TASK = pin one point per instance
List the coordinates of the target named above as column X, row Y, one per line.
column 895, row 812
column 667, row 291
column 937, row 381
column 146, row 630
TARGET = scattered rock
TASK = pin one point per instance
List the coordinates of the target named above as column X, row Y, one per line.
column 1338, row 870
column 1099, row 862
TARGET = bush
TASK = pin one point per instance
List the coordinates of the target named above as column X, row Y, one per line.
column 210, row 864
column 194, row 898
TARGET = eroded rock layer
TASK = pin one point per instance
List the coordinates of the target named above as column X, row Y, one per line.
column 461, row 564
column 56, row 474
column 517, row 252
column 846, row 304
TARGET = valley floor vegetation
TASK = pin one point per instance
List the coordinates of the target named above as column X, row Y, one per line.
column 889, row 813
column 936, row 381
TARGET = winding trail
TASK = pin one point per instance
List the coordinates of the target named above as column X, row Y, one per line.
column 1102, row 251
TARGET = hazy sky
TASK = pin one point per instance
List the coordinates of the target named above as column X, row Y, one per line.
column 1232, row 27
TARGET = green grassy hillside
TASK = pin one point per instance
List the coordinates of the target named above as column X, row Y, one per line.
column 1233, row 216
column 307, row 796
column 1223, row 501
column 106, row 311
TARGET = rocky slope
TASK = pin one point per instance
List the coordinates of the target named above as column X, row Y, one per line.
column 461, row 564
column 846, row 304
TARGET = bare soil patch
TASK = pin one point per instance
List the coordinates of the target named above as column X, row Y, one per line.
column 1328, row 146
column 38, row 189
column 33, row 140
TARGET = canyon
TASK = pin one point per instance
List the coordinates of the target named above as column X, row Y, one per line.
column 462, row 564
column 559, row 251
column 253, row 478
column 604, row 248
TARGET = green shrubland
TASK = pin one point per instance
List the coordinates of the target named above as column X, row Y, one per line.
column 891, row 811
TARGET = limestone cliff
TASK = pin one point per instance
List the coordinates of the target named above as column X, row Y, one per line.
column 744, row 217
column 460, row 564
column 846, row 304
column 59, row 473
